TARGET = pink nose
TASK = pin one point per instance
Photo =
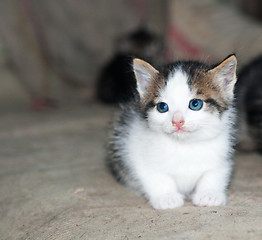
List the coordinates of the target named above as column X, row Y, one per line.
column 178, row 124
column 178, row 120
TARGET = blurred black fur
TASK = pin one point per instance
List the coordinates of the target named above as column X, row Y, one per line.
column 249, row 103
column 116, row 82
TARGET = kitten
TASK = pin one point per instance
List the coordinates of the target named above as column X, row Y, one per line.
column 249, row 104
column 174, row 140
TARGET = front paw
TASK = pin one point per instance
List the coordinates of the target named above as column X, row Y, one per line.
column 208, row 199
column 167, row 201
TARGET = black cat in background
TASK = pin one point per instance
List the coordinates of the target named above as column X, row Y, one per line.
column 116, row 83
column 249, row 104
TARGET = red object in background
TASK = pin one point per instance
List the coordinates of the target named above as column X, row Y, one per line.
column 176, row 36
column 43, row 104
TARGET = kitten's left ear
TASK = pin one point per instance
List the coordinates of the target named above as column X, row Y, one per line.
column 144, row 73
column 225, row 74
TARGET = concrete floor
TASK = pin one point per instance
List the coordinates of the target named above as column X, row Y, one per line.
column 54, row 185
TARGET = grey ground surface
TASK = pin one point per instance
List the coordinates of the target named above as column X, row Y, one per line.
column 54, row 185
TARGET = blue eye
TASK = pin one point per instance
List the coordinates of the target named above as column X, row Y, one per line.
column 195, row 104
column 162, row 107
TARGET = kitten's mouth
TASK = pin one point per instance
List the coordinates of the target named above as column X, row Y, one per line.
column 180, row 130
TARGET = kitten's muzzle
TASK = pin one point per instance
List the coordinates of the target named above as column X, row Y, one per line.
column 178, row 120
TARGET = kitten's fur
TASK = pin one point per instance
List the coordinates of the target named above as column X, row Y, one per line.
column 149, row 154
column 249, row 104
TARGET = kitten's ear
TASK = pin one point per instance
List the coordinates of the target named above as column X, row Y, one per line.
column 144, row 72
column 225, row 74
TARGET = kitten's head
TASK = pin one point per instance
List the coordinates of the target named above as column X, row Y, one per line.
column 186, row 99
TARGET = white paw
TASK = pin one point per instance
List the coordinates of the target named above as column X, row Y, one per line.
column 167, row 201
column 209, row 199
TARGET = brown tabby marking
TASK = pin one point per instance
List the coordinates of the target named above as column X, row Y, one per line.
column 206, row 89
column 156, row 84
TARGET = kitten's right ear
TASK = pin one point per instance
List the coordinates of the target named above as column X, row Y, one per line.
column 144, row 72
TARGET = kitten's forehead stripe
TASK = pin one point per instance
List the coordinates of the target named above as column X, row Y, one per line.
column 177, row 84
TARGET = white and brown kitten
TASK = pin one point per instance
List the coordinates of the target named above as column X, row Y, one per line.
column 174, row 140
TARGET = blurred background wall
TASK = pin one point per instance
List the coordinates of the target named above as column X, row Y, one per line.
column 55, row 48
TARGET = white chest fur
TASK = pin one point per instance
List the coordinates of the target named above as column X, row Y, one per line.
column 163, row 164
